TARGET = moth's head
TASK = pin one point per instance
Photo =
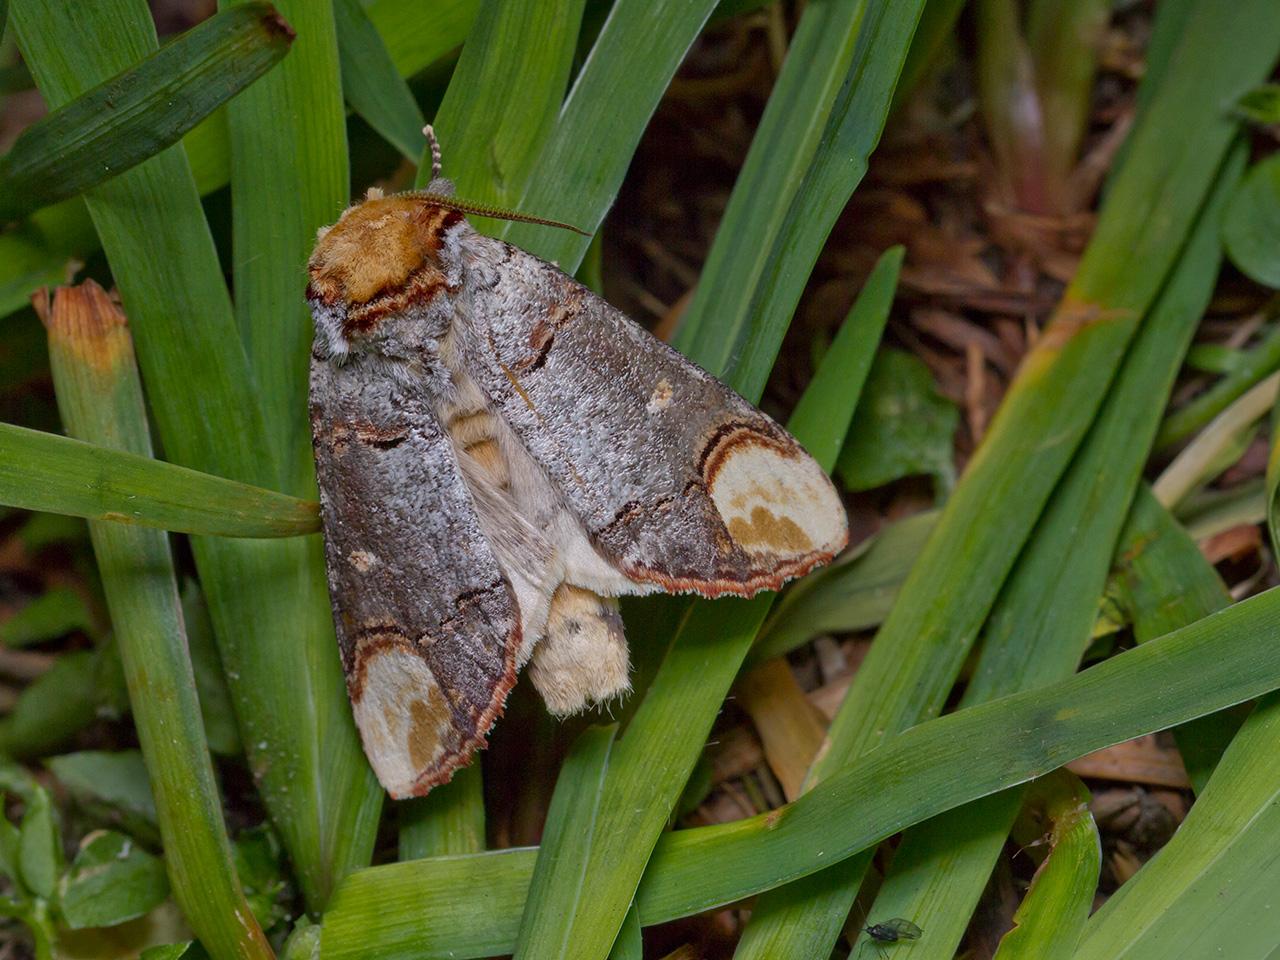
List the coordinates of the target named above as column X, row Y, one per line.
column 375, row 251
column 387, row 253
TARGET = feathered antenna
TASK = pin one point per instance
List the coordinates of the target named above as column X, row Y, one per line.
column 479, row 209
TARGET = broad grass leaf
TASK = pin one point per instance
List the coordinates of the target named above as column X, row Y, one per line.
column 112, row 787
column 1252, row 227
column 56, row 705
column 55, row 613
column 111, row 880
column 40, row 846
column 902, row 428
column 258, row 857
column 1261, row 105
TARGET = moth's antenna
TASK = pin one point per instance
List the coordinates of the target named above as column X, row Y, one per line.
column 436, row 166
column 483, row 210
column 464, row 206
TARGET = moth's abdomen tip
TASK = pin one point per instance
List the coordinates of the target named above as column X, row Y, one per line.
column 375, row 247
column 582, row 658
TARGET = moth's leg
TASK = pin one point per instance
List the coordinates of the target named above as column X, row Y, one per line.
column 582, row 658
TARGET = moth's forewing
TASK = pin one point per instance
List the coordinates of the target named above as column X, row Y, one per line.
column 676, row 479
column 426, row 619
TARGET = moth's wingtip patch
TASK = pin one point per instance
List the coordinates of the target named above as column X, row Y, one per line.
column 401, row 713
column 405, row 722
column 774, row 499
column 452, row 762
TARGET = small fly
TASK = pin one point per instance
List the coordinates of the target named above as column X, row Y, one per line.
column 892, row 931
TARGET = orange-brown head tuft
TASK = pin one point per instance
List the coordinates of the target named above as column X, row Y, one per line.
column 376, row 246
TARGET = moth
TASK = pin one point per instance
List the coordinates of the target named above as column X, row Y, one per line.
column 501, row 454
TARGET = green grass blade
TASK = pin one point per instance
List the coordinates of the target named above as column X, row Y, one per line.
column 488, row 147
column 820, row 825
column 26, row 265
column 1209, row 887
column 288, row 179
column 661, row 744
column 370, row 82
column 421, row 909
column 42, row 471
column 1272, row 476
column 142, row 110
column 819, row 58
column 266, row 598
column 823, row 120
column 427, row 908
column 1258, row 363
column 582, row 163
column 1208, row 513
column 847, row 362
column 854, row 593
column 922, row 645
column 100, row 397
column 1161, row 51
column 215, row 697
column 157, row 200
column 1048, row 922
column 936, row 27
column 653, row 760
column 447, row 821
column 414, row 36
column 414, row 39
column 1035, row 636
column 1218, row 445
column 1164, row 582
column 559, row 874
column 417, row 34
column 629, row 945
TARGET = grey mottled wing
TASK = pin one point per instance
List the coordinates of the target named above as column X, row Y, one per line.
column 677, row 479
column 426, row 620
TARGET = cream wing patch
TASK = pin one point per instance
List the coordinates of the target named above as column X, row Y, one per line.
column 777, row 503
column 402, row 716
